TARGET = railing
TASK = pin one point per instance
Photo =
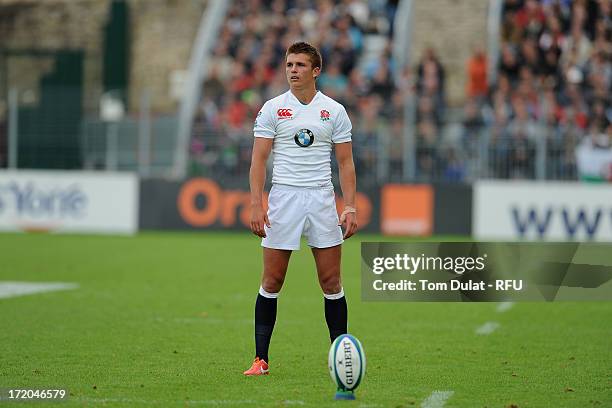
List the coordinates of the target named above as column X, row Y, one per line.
column 49, row 134
column 456, row 153
column 450, row 152
column 119, row 146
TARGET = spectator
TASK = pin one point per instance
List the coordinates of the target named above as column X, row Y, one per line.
column 426, row 111
column 594, row 156
column 522, row 154
column 477, row 86
column 530, row 57
column 431, row 76
column 332, row 81
column 365, row 141
column 236, row 112
column 473, row 124
column 530, row 19
column 214, row 87
column 576, row 49
column 509, row 64
column 455, row 168
column 552, row 37
column 345, row 52
column 426, row 151
column 382, row 82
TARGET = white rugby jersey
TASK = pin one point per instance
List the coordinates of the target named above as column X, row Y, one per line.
column 303, row 137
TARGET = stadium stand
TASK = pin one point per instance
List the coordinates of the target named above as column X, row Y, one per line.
column 545, row 116
column 354, row 39
column 553, row 88
column 551, row 94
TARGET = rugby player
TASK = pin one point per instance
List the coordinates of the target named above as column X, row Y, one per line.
column 301, row 127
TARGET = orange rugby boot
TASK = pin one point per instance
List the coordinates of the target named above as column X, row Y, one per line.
column 259, row 367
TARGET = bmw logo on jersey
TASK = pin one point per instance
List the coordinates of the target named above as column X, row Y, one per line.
column 304, row 138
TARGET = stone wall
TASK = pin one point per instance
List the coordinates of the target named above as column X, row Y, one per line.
column 161, row 33
column 452, row 28
column 49, row 25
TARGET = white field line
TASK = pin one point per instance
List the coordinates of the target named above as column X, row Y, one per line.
column 487, row 328
column 213, row 402
column 221, row 402
column 10, row 289
column 139, row 401
column 119, row 400
column 437, row 399
column 504, row 307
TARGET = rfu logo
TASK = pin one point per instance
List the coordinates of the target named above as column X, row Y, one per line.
column 325, row 116
column 284, row 113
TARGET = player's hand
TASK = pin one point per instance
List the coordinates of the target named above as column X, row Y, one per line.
column 258, row 218
column 348, row 220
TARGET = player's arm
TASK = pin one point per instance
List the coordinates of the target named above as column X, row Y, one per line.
column 348, row 184
column 257, row 178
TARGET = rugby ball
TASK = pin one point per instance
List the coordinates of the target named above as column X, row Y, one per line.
column 346, row 362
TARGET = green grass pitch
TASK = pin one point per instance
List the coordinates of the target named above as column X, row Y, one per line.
column 165, row 319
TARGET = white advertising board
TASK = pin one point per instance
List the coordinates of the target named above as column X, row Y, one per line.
column 548, row 211
column 67, row 201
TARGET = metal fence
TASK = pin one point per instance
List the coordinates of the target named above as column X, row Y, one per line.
column 93, row 134
column 455, row 154
column 465, row 154
column 452, row 152
column 143, row 146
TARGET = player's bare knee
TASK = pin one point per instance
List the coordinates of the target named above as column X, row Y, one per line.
column 330, row 285
column 272, row 284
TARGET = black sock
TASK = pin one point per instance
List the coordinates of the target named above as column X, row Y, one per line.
column 265, row 317
column 336, row 316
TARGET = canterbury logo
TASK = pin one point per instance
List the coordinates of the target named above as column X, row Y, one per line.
column 284, row 113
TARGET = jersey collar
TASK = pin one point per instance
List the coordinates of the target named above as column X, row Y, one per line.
column 297, row 101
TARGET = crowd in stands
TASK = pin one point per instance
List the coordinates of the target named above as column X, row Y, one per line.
column 247, row 69
column 552, row 88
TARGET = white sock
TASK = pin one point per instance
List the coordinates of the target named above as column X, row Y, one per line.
column 334, row 296
column 268, row 295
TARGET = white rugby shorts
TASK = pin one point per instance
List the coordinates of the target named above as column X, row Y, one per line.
column 302, row 211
